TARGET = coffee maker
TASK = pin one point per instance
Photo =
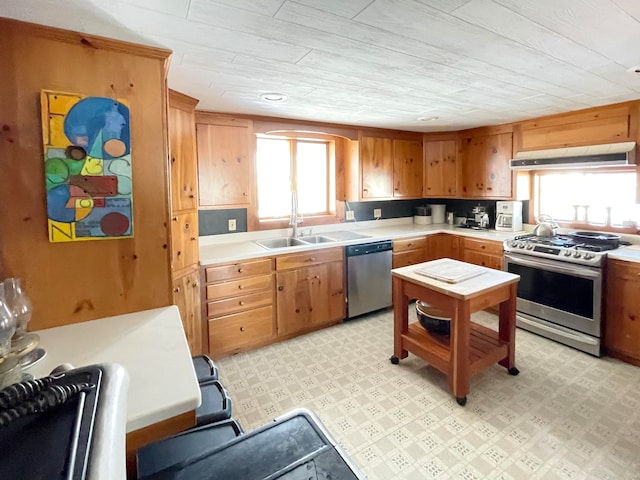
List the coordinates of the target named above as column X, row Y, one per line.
column 509, row 216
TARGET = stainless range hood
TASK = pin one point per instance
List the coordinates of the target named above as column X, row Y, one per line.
column 607, row 155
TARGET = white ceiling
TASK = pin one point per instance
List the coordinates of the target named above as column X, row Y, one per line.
column 380, row 63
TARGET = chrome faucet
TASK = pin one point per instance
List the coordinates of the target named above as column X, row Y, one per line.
column 294, row 220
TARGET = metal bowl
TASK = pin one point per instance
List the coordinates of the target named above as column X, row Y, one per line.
column 433, row 320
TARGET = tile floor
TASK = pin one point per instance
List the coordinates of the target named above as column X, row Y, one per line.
column 566, row 416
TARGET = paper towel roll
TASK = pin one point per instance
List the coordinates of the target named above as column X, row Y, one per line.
column 437, row 213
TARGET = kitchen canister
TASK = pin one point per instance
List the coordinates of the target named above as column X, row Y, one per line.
column 422, row 215
column 437, row 213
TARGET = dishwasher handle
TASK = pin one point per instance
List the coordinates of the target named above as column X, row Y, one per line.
column 367, row 248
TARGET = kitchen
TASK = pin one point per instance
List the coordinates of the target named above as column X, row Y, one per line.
column 138, row 275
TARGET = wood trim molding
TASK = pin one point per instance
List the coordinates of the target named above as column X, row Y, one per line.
column 89, row 41
column 182, row 101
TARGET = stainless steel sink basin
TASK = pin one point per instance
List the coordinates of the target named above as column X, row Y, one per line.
column 316, row 239
column 271, row 243
column 343, row 235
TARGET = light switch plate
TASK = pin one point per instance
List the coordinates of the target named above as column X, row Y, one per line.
column 350, row 215
column 377, row 212
column 232, row 224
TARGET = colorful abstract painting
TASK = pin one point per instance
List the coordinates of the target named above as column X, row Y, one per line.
column 87, row 160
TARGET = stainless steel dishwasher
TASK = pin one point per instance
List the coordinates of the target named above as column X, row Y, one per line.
column 368, row 277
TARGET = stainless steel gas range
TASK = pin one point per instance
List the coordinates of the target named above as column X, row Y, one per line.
column 561, row 285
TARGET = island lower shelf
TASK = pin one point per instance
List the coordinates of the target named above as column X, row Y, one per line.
column 485, row 348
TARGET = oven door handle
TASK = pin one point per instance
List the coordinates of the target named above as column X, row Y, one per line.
column 542, row 264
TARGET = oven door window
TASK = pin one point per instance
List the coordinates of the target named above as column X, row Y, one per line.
column 558, row 290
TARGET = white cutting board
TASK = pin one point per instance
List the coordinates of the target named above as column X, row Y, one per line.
column 450, row 271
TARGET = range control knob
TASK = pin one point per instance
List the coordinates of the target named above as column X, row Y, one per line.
column 521, row 245
column 529, row 246
column 577, row 254
column 567, row 253
column 589, row 256
column 513, row 243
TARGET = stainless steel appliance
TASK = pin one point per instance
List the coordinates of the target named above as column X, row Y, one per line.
column 509, row 216
column 368, row 277
column 561, row 285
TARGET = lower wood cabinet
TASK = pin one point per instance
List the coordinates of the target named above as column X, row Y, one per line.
column 443, row 245
column 622, row 319
column 486, row 253
column 186, row 295
column 239, row 306
column 310, row 290
column 409, row 251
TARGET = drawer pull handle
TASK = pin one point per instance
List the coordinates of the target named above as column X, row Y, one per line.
column 176, row 290
column 240, row 287
column 316, row 277
column 175, row 219
column 241, row 303
column 241, row 270
column 280, row 288
column 311, row 259
column 196, row 284
column 242, row 329
column 482, row 247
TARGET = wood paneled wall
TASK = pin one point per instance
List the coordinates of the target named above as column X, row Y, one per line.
column 80, row 281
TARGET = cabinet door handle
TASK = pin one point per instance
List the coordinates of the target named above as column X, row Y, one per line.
column 242, row 329
column 245, row 194
column 192, row 196
column 316, row 277
column 482, row 247
column 176, row 290
column 280, row 288
column 175, row 219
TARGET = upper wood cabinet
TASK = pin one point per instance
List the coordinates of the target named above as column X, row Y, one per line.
column 183, row 161
column 485, row 166
column 440, row 168
column 592, row 126
column 390, row 168
column 225, row 160
column 376, row 165
column 407, row 168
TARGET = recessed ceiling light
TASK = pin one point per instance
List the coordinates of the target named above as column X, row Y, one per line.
column 273, row 97
column 427, row 119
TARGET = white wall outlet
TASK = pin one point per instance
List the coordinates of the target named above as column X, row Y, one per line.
column 351, row 215
column 232, row 224
column 377, row 212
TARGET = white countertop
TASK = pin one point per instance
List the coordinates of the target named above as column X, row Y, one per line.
column 240, row 246
column 487, row 280
column 150, row 345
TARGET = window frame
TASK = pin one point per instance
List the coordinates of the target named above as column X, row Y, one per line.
column 321, row 218
column 534, row 187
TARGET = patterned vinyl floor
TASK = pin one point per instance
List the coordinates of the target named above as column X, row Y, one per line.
column 567, row 415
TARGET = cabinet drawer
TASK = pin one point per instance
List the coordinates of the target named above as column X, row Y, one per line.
column 484, row 246
column 239, row 304
column 235, row 331
column 409, row 244
column 409, row 258
column 239, row 287
column 306, row 259
column 483, row 259
column 240, row 269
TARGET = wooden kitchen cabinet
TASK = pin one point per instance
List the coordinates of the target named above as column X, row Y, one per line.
column 622, row 320
column 409, row 251
column 184, row 240
column 225, row 160
column 376, row 165
column 443, row 245
column 486, row 253
column 184, row 216
column 239, row 306
column 440, row 168
column 390, row 168
column 310, row 290
column 485, row 166
column 186, row 295
column 407, row 168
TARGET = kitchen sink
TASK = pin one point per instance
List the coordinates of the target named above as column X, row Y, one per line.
column 271, row 243
column 316, row 239
column 344, row 235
